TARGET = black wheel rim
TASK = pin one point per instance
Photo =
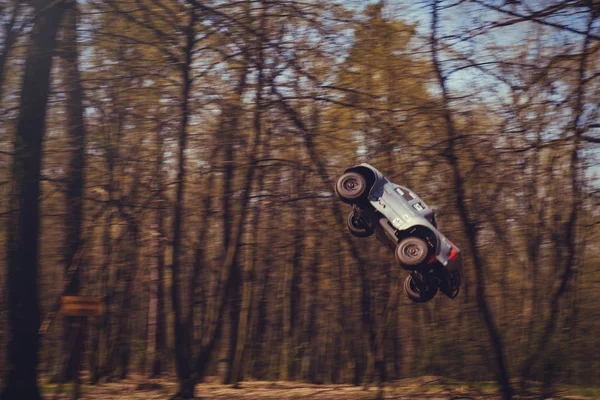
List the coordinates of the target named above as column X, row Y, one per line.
column 357, row 221
column 414, row 287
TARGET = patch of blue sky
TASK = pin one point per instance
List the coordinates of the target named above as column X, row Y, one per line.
column 473, row 29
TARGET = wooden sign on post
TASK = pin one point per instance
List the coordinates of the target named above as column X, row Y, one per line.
column 81, row 306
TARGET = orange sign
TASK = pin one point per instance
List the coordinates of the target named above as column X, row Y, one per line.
column 81, row 306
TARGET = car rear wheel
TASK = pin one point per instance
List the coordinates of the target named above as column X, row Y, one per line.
column 351, row 187
column 419, row 291
column 357, row 225
column 412, row 252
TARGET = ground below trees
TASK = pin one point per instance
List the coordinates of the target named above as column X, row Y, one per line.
column 426, row 387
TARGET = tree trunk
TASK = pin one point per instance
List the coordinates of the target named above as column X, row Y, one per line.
column 255, row 152
column 118, row 353
column 259, row 289
column 199, row 259
column 156, row 317
column 284, row 365
column 182, row 364
column 469, row 227
column 80, row 327
column 11, row 33
column 308, row 138
column 234, row 288
column 159, row 363
column 295, row 305
column 154, row 284
column 236, row 370
column 24, row 221
column 570, row 233
column 75, row 183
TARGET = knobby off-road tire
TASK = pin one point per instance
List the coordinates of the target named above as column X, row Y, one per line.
column 412, row 252
column 351, row 187
column 419, row 292
column 357, row 226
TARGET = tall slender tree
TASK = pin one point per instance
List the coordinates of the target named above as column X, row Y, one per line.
column 468, row 224
column 74, row 172
column 182, row 363
column 24, row 222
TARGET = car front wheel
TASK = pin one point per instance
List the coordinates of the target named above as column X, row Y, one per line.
column 351, row 187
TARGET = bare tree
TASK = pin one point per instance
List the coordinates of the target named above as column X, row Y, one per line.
column 570, row 233
column 24, row 223
column 75, row 173
column 469, row 225
column 186, row 385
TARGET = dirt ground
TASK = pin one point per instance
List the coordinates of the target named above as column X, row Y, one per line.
column 430, row 388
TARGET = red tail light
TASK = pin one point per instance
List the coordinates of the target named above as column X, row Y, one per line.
column 453, row 254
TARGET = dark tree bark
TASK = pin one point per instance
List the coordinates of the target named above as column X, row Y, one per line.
column 258, row 281
column 299, row 178
column 156, row 312
column 182, row 363
column 97, row 369
column 118, row 353
column 286, row 313
column 248, row 314
column 199, row 258
column 11, row 33
column 24, row 222
column 159, row 361
column 392, row 286
column 469, row 226
column 75, row 182
column 234, row 287
column 104, row 323
column 312, row 328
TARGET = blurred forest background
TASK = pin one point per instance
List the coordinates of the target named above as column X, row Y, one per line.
column 177, row 158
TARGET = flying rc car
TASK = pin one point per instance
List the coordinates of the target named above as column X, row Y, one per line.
column 406, row 224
